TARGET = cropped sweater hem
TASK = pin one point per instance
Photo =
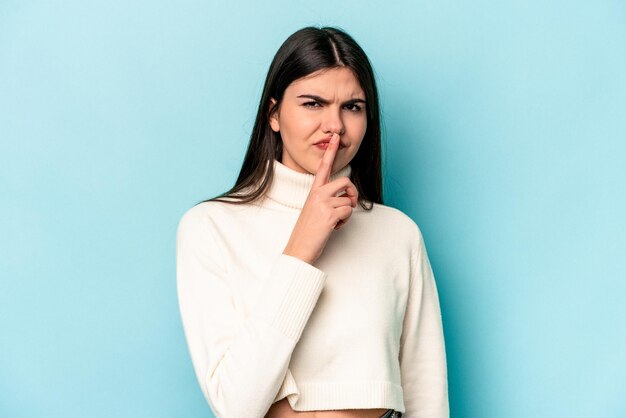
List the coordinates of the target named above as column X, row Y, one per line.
column 344, row 395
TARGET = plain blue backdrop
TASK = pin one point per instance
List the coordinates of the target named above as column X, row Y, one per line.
column 504, row 139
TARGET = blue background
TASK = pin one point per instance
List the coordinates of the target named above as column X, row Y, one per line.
column 504, row 140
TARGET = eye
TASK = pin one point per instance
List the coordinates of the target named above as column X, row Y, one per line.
column 353, row 107
column 311, row 104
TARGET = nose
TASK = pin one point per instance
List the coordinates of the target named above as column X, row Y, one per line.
column 332, row 121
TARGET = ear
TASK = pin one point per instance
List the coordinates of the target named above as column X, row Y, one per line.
column 273, row 116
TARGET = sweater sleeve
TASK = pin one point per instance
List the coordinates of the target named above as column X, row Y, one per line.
column 422, row 350
column 240, row 362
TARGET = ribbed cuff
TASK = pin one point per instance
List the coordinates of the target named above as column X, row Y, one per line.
column 289, row 295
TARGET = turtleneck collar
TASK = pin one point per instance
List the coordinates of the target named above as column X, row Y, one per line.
column 291, row 188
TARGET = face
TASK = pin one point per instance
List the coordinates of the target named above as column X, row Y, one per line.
column 312, row 109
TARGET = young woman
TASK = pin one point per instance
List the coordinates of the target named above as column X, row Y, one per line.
column 301, row 294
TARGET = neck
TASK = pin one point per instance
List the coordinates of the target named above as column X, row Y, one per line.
column 291, row 188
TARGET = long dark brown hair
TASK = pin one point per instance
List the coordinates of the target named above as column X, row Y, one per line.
column 308, row 50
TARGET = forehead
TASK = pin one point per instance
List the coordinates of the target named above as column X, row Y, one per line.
column 333, row 82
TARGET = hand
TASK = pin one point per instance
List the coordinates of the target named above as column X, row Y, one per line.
column 323, row 211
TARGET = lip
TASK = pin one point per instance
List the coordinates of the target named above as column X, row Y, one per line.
column 326, row 141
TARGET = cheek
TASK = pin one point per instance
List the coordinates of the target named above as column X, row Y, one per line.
column 298, row 125
column 359, row 127
column 364, row 127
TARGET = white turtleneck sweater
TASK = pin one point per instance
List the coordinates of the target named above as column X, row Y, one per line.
column 359, row 328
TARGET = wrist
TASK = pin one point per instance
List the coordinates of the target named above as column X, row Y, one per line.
column 288, row 251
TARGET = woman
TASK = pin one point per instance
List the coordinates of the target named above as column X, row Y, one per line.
column 301, row 294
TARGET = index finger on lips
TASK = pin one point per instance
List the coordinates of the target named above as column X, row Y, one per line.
column 326, row 164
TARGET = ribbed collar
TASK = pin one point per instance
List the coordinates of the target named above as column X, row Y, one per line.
column 291, row 188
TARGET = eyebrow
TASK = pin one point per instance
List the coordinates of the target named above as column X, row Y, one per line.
column 325, row 101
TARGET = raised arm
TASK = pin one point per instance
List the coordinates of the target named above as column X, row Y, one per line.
column 422, row 349
column 240, row 362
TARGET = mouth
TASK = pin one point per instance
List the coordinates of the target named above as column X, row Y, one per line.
column 323, row 143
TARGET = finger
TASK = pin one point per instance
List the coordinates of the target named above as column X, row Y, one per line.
column 343, row 213
column 340, row 201
column 346, row 187
column 353, row 194
column 326, row 164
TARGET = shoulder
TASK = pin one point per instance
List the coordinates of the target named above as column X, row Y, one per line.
column 394, row 216
column 213, row 216
column 200, row 217
column 198, row 213
column 212, row 209
column 396, row 222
